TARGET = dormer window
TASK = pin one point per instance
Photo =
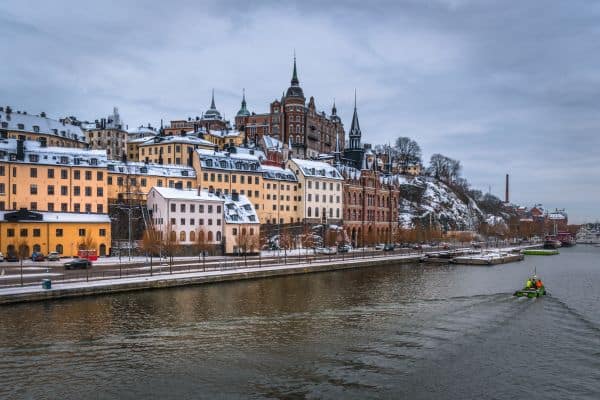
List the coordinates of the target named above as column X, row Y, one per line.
column 20, row 126
column 55, row 131
column 13, row 157
column 34, row 158
column 64, row 160
column 144, row 170
column 5, row 124
column 36, row 129
column 94, row 161
column 76, row 161
column 184, row 173
column 223, row 164
column 111, row 167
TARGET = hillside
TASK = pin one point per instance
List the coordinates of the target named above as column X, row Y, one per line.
column 426, row 201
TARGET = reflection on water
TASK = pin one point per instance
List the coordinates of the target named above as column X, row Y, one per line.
column 414, row 331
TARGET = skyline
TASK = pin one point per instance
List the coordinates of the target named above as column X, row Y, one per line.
column 503, row 90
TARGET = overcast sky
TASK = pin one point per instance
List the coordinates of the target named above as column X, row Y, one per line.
column 503, row 86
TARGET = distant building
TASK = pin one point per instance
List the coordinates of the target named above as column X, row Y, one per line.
column 281, row 197
column 211, row 120
column 24, row 126
column 172, row 149
column 242, row 226
column 306, row 131
column 109, row 134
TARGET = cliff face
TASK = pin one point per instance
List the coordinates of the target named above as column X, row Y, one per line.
column 426, row 201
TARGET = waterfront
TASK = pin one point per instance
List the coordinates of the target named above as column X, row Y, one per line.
column 417, row 331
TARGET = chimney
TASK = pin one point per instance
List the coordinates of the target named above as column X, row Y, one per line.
column 20, row 149
column 506, row 197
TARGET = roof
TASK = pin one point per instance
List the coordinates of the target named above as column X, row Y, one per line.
column 239, row 211
column 47, row 126
column 34, row 153
column 64, row 217
column 184, row 139
column 140, row 168
column 185, row 194
column 273, row 172
column 271, row 143
column 228, row 161
column 142, row 131
column 317, row 169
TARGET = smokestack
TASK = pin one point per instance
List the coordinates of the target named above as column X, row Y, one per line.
column 506, row 197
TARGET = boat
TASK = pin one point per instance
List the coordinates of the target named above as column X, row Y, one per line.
column 588, row 235
column 550, row 242
column 566, row 239
column 531, row 293
column 540, row 252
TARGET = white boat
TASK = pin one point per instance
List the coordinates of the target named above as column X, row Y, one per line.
column 588, row 235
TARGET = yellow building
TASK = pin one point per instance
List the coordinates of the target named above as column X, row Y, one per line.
column 133, row 180
column 44, row 232
column 36, row 177
column 133, row 147
column 320, row 190
column 172, row 149
column 24, row 126
column 229, row 173
column 280, row 196
column 226, row 138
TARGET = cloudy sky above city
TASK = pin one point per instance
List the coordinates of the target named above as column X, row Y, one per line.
column 505, row 87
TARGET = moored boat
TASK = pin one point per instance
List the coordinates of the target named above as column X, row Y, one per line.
column 566, row 239
column 550, row 242
column 540, row 252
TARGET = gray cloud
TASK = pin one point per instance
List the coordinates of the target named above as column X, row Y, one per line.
column 504, row 87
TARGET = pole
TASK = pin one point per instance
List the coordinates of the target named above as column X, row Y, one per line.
column 129, row 229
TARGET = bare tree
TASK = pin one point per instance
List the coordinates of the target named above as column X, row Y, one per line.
column 408, row 152
column 246, row 243
column 21, row 250
column 87, row 243
column 170, row 245
column 201, row 246
column 151, row 242
column 444, row 168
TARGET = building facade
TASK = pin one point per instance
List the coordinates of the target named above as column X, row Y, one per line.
column 172, row 149
column 242, row 226
column 280, row 196
column 24, row 126
column 109, row 134
column 305, row 130
column 211, row 119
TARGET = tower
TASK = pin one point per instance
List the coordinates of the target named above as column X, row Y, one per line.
column 354, row 135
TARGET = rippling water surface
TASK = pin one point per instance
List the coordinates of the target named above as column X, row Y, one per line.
column 409, row 331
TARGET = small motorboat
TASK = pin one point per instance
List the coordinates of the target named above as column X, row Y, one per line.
column 534, row 290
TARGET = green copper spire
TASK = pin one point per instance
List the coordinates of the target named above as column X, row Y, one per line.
column 295, row 81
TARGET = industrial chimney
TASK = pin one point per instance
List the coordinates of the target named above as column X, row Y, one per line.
column 506, row 197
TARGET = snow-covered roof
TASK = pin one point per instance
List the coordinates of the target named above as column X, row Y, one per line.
column 228, row 161
column 273, row 172
column 317, row 169
column 41, row 125
column 253, row 152
column 185, row 194
column 35, row 153
column 183, row 139
column 348, row 172
column 140, row 168
column 65, row 217
column 224, row 133
column 142, row 131
column 240, row 211
column 140, row 140
column 271, row 143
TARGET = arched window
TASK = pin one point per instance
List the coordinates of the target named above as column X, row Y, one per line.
column 182, row 236
column 309, row 213
column 218, row 236
column 173, row 236
column 210, row 236
column 59, row 248
column 192, row 236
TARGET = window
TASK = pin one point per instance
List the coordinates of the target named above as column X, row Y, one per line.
column 82, row 232
column 59, row 248
column 99, row 175
column 76, row 191
column 173, row 221
column 33, row 172
column 33, row 205
column 76, row 207
column 201, row 208
column 88, row 175
column 50, row 207
column 64, row 190
column 192, row 208
column 182, row 208
column 50, row 173
column 182, row 221
column 50, row 190
column 36, row 232
column 182, row 236
column 32, row 189
column 100, row 192
column 10, row 232
column 2, row 170
column 210, row 221
column 210, row 209
column 173, row 207
column 64, row 174
column 76, row 174
column 192, row 221
column 64, row 207
column 99, row 208
column 2, row 188
column 88, row 208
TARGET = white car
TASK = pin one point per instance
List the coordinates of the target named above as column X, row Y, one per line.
column 379, row 246
column 53, row 256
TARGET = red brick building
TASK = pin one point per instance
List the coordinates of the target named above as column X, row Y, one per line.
column 292, row 121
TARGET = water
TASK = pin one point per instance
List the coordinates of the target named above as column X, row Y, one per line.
column 419, row 332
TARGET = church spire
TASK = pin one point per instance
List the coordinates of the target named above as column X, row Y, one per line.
column 333, row 109
column 243, row 110
column 355, row 134
column 212, row 101
column 295, row 81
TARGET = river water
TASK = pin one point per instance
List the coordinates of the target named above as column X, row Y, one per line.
column 410, row 331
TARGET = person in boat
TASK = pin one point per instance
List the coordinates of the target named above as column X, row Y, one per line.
column 538, row 284
column 528, row 284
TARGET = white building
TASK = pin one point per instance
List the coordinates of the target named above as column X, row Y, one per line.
column 320, row 186
column 187, row 214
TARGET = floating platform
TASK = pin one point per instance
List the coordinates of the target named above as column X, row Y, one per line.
column 540, row 252
column 488, row 259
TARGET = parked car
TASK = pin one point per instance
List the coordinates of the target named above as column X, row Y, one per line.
column 53, row 256
column 325, row 250
column 78, row 263
column 379, row 246
column 388, row 247
column 37, row 256
column 417, row 247
column 1, row 257
column 344, row 248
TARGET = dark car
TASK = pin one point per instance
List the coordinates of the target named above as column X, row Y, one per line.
column 388, row 247
column 12, row 257
column 37, row 256
column 78, row 263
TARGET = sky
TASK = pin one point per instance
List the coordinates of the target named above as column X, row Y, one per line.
column 503, row 86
